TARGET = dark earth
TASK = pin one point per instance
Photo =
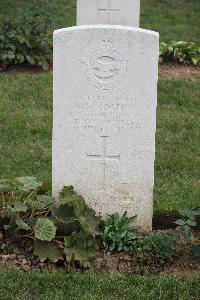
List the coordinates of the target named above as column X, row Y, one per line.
column 18, row 255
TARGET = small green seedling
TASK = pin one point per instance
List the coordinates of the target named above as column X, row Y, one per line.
column 187, row 221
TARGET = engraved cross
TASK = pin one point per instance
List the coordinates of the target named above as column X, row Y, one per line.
column 103, row 158
column 108, row 9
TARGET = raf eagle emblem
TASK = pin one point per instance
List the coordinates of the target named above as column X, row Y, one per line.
column 105, row 68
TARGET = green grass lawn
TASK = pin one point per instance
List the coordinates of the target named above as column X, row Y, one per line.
column 75, row 286
column 26, row 124
column 173, row 19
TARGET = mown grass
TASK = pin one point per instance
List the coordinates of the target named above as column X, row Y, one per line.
column 177, row 165
column 174, row 20
column 76, row 286
column 26, row 124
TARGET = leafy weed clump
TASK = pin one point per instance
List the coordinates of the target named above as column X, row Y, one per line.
column 29, row 211
column 180, row 52
column 27, row 40
column 66, row 228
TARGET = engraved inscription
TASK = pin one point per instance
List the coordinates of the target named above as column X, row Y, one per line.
column 106, row 67
column 95, row 113
column 103, row 158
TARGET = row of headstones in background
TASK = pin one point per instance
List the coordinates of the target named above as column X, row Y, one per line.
column 112, row 12
column 105, row 95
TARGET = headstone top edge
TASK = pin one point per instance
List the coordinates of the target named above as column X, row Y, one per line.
column 117, row 27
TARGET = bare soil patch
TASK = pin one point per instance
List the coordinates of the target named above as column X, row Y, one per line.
column 183, row 263
column 175, row 71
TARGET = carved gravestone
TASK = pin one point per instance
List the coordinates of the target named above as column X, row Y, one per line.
column 113, row 12
column 105, row 95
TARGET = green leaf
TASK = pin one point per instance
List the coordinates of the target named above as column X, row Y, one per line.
column 4, row 56
column 186, row 232
column 195, row 60
column 29, row 183
column 132, row 235
column 47, row 250
column 63, row 213
column 48, row 200
column 66, row 194
column 30, row 59
column 80, row 254
column 42, row 202
column 88, row 220
column 21, row 58
column 196, row 211
column 191, row 223
column 112, row 247
column 36, row 205
column 22, row 225
column 85, row 215
column 131, row 219
column 46, row 186
column 45, row 229
column 180, row 222
column 186, row 212
column 11, row 55
column 19, row 207
column 80, row 247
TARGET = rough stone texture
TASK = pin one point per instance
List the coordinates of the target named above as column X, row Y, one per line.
column 113, row 12
column 105, row 96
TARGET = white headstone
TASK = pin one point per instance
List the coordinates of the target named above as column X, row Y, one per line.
column 113, row 12
column 105, row 95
